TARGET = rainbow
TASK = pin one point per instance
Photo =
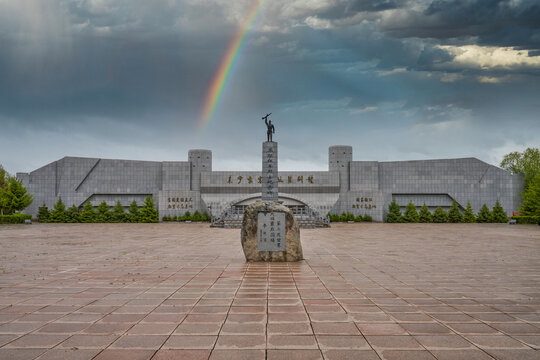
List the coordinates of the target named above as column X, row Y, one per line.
column 227, row 65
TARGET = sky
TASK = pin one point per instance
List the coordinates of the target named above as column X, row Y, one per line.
column 395, row 79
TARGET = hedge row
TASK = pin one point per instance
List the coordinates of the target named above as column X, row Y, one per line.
column 349, row 217
column 14, row 219
column 453, row 215
column 523, row 219
column 197, row 216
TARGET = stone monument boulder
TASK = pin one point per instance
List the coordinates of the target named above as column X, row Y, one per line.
column 252, row 237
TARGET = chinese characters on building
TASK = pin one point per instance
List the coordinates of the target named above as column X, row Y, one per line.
column 180, row 203
column 364, row 203
column 271, row 231
column 240, row 179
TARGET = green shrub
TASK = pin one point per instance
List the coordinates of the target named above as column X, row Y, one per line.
column 133, row 212
column 498, row 215
column 103, row 213
column 118, row 214
column 166, row 218
column 394, row 213
column 196, row 216
column 72, row 214
column 14, row 219
column 411, row 215
column 205, row 216
column 175, row 218
column 439, row 215
column 484, row 215
column 425, row 215
column 468, row 214
column 58, row 213
column 88, row 214
column 334, row 218
column 531, row 197
column 367, row 218
column 358, row 218
column 43, row 214
column 148, row 213
column 349, row 217
column 186, row 217
column 454, row 215
column 527, row 219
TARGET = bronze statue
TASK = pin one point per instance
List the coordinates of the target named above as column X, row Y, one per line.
column 270, row 128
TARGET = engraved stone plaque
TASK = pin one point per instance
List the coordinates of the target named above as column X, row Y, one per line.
column 271, row 231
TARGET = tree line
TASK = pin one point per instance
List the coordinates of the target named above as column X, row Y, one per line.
column 439, row 215
column 101, row 214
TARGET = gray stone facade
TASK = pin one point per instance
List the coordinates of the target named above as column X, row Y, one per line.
column 358, row 187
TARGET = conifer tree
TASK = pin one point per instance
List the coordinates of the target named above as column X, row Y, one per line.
column 58, row 213
column 531, row 198
column 148, row 213
column 411, row 215
column 118, row 214
column 394, row 213
column 72, row 214
column 498, row 215
column 133, row 212
column 468, row 214
column 103, row 213
column 186, row 217
column 196, row 216
column 88, row 214
column 425, row 215
column 439, row 215
column 20, row 199
column 43, row 214
column 484, row 215
column 454, row 215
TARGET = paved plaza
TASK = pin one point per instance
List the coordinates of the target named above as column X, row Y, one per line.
column 184, row 291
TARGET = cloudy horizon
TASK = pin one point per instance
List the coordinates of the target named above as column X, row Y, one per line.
column 395, row 79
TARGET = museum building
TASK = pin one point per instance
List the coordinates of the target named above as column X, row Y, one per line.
column 358, row 187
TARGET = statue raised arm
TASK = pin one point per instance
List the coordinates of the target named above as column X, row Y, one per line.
column 270, row 129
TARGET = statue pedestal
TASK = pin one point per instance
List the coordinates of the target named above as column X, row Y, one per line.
column 270, row 233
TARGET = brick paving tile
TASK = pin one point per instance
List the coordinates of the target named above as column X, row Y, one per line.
column 294, row 355
column 71, row 354
column 412, row 317
column 63, row 328
column 152, row 329
column 182, row 355
column 513, row 354
column 290, row 328
column 291, row 342
column 516, row 328
column 190, row 342
column 442, row 342
column 380, row 329
column 350, row 355
column 139, row 342
column 453, row 318
column 531, row 340
column 205, row 318
column 329, row 317
column 471, row 328
column 238, row 355
column 121, row 354
column 232, row 328
column 461, row 355
column 281, row 317
column 5, row 338
column 241, row 342
column 327, row 342
column 107, row 328
column 406, row 355
column 19, row 327
column 20, row 354
column 246, row 318
column 88, row 341
column 198, row 329
column 425, row 328
column 495, row 342
column 493, row 317
column 37, row 341
column 394, row 342
column 328, row 328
